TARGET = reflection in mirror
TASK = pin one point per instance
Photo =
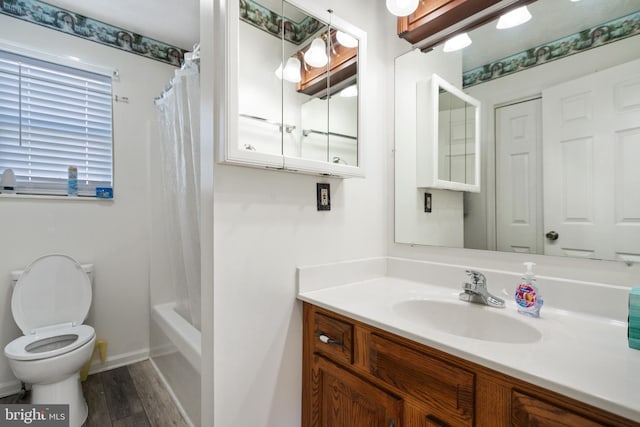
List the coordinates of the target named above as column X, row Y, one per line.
column 456, row 138
column 559, row 135
column 447, row 137
column 297, row 84
column 260, row 87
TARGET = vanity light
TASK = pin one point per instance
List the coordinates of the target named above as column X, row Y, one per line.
column 349, row 91
column 514, row 18
column 402, row 7
column 291, row 72
column 456, row 43
column 316, row 55
column 346, row 40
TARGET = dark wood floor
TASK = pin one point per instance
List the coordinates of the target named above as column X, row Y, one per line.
column 130, row 396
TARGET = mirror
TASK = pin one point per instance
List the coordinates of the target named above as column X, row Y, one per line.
column 525, row 79
column 448, row 137
column 298, row 75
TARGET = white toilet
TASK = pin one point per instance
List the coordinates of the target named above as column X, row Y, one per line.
column 51, row 299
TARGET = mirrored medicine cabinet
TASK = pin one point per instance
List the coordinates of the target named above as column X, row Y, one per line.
column 448, row 137
column 293, row 79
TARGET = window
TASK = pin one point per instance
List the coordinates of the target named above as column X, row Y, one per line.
column 53, row 117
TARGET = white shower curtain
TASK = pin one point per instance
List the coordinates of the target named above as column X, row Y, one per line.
column 179, row 116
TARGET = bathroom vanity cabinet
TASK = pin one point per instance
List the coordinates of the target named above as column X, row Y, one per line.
column 358, row 375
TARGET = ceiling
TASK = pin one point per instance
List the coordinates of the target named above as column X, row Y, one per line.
column 551, row 20
column 175, row 23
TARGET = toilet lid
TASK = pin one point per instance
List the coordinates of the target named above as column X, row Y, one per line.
column 53, row 290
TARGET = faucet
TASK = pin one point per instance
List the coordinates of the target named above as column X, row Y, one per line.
column 477, row 292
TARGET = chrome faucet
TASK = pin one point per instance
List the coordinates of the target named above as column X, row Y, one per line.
column 476, row 291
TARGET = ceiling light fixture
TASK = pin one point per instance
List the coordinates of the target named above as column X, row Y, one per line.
column 514, row 18
column 456, row 43
column 316, row 55
column 346, row 40
column 402, row 7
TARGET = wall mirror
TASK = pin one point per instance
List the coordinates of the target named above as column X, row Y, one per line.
column 294, row 76
column 448, row 137
column 558, row 127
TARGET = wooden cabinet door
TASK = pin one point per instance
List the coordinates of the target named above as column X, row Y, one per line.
column 341, row 399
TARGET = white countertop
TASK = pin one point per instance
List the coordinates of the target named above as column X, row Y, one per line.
column 582, row 355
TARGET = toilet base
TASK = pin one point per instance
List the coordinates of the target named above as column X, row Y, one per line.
column 67, row 391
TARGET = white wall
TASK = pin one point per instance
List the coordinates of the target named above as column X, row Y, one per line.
column 266, row 224
column 114, row 234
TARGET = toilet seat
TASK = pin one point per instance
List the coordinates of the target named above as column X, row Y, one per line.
column 49, row 342
column 52, row 290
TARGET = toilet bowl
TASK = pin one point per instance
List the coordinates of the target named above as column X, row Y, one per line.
column 50, row 301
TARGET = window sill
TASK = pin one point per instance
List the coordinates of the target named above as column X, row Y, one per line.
column 52, row 197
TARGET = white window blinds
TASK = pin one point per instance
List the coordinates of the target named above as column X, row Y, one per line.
column 53, row 117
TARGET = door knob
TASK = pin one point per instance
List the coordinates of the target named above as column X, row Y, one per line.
column 552, row 235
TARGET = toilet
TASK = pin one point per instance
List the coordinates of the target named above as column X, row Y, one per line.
column 50, row 301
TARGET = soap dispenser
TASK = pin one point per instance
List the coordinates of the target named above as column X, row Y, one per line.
column 528, row 298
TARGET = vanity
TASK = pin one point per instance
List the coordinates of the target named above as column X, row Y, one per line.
column 387, row 342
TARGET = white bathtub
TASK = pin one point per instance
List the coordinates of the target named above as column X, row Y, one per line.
column 176, row 352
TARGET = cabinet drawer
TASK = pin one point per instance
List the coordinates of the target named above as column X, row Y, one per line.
column 530, row 411
column 333, row 338
column 446, row 391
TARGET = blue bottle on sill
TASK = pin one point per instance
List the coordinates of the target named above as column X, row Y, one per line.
column 72, row 182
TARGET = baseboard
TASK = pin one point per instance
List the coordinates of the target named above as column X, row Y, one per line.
column 181, row 409
column 118, row 361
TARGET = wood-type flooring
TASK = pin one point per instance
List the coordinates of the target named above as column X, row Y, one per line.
column 130, row 396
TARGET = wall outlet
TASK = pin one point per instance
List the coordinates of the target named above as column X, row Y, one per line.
column 427, row 202
column 323, row 196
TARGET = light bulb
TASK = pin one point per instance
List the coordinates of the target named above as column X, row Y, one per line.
column 402, row 7
column 346, row 40
column 291, row 72
column 456, row 43
column 514, row 18
column 316, row 55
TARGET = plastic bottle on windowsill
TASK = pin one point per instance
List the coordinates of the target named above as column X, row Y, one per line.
column 72, row 182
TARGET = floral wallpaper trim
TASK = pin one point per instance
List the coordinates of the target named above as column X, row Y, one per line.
column 267, row 20
column 56, row 18
column 600, row 35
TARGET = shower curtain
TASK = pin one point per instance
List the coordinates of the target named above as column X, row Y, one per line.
column 179, row 116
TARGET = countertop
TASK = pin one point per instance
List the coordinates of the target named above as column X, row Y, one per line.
column 580, row 355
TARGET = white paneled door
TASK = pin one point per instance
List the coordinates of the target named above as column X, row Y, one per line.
column 518, row 177
column 591, row 172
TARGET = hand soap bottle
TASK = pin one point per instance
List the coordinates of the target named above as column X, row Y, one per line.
column 527, row 296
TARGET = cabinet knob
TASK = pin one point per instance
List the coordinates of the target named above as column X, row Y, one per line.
column 325, row 339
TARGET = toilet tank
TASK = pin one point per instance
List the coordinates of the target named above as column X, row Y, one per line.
column 88, row 268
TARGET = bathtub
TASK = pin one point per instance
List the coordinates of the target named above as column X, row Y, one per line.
column 176, row 353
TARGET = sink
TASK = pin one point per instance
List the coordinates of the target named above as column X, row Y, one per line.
column 468, row 320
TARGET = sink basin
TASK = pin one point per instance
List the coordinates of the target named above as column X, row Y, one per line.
column 468, row 320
